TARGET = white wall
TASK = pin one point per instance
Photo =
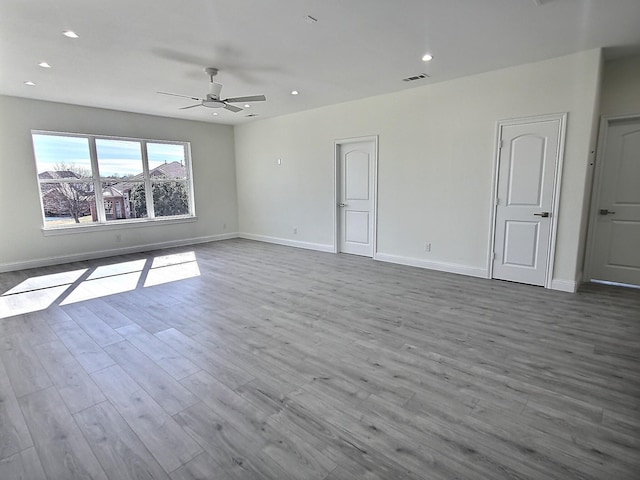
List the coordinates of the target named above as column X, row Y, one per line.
column 21, row 240
column 586, row 202
column 620, row 95
column 621, row 87
column 436, row 157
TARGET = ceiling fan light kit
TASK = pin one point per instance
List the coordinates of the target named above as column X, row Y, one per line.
column 213, row 100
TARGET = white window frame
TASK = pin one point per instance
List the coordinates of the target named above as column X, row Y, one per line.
column 102, row 223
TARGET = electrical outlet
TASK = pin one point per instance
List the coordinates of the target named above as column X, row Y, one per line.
column 224, row 226
column 295, row 230
column 427, row 247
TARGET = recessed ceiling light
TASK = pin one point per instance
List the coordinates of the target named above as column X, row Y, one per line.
column 294, row 92
column 215, row 114
column 427, row 57
column 44, row 65
column 247, row 105
column 70, row 34
column 30, row 83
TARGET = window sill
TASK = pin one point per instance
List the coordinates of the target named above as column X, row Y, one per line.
column 115, row 225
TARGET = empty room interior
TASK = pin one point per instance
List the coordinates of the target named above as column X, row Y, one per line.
column 320, row 240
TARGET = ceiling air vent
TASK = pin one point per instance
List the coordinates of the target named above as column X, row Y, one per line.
column 420, row 76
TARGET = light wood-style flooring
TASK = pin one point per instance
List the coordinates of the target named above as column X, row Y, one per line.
column 243, row 360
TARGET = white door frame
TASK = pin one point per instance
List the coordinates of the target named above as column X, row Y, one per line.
column 336, row 189
column 605, row 121
column 557, row 182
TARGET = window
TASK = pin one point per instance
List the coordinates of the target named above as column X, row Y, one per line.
column 89, row 179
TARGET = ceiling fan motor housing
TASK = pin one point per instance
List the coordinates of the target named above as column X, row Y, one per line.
column 214, row 91
column 212, row 103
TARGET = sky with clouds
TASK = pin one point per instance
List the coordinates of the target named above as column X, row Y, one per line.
column 115, row 157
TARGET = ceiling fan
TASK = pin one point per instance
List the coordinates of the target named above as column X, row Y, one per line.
column 213, row 100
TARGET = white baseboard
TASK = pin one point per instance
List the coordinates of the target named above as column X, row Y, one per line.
column 431, row 265
column 570, row 286
column 45, row 262
column 320, row 247
column 560, row 285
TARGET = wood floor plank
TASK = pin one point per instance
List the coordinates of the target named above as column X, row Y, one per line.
column 72, row 382
column 264, row 396
column 118, row 448
column 617, row 446
column 137, row 307
column 620, row 422
column 108, row 314
column 245, row 351
column 239, row 455
column 343, row 447
column 14, row 435
column 168, row 443
column 52, row 315
column 353, row 471
column 241, row 414
column 22, row 365
column 24, row 465
column 206, row 359
column 385, row 441
column 201, row 468
column 62, row 448
column 33, row 327
column 544, row 451
column 93, row 325
column 87, row 352
column 161, row 386
column 166, row 357
column 462, row 446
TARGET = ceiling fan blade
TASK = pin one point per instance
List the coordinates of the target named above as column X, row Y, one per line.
column 178, row 95
column 191, row 106
column 249, row 99
column 232, row 108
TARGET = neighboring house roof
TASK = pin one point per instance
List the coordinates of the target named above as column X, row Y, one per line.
column 50, row 174
column 171, row 170
column 112, row 192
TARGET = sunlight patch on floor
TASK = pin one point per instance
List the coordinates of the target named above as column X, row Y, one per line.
column 117, row 269
column 173, row 259
column 102, row 287
column 172, row 273
column 39, row 293
column 46, row 281
column 27, row 302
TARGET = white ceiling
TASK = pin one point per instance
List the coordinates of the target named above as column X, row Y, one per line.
column 129, row 49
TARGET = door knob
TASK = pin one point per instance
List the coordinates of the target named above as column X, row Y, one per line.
column 604, row 211
column 542, row 214
column 342, row 204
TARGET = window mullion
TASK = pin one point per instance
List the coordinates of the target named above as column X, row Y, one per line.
column 97, row 184
column 147, row 180
column 189, row 171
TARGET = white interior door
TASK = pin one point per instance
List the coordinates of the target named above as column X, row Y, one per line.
column 356, row 197
column 528, row 160
column 616, row 226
